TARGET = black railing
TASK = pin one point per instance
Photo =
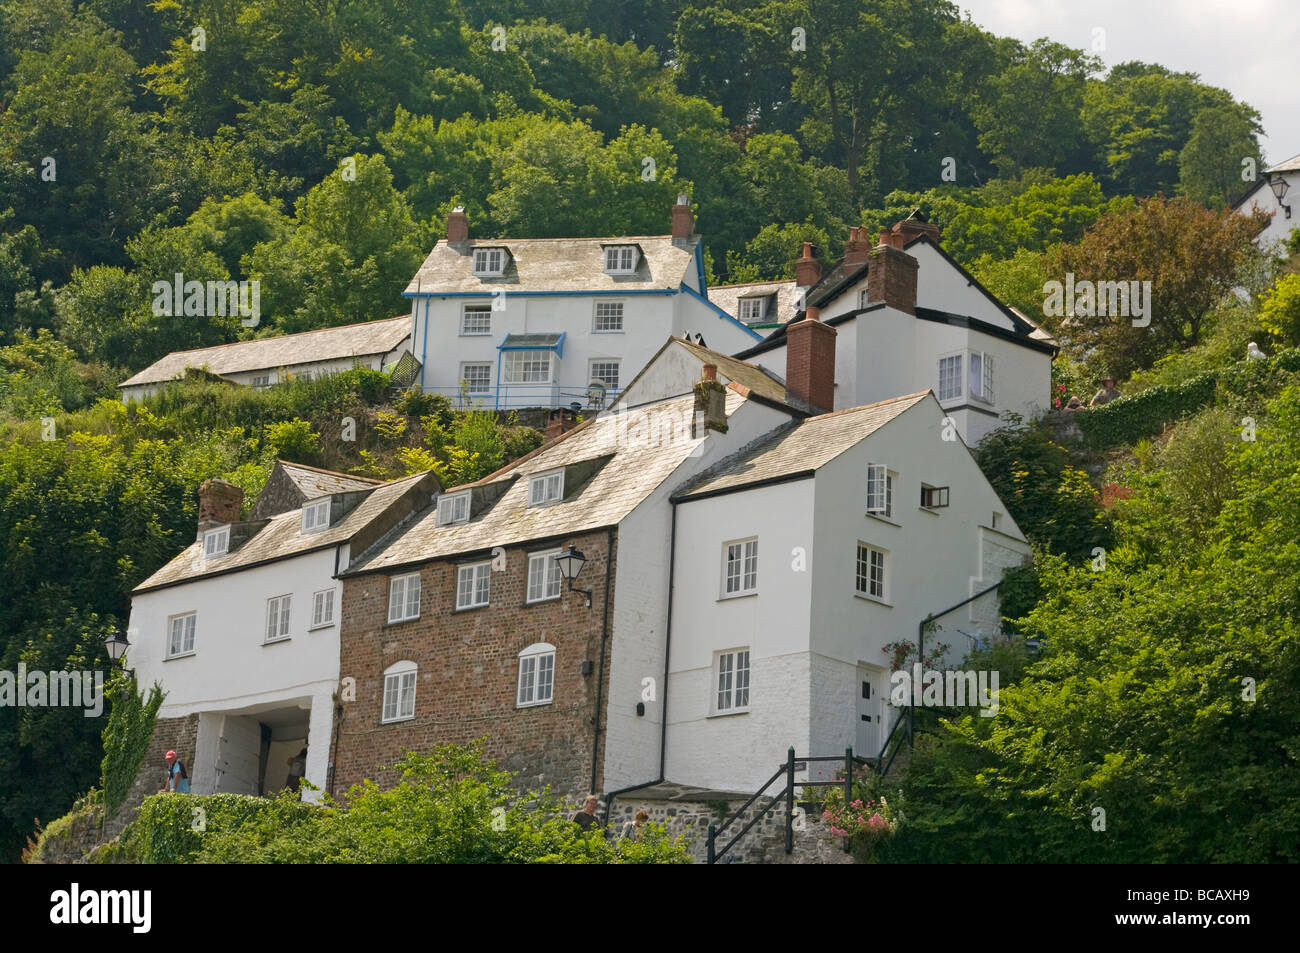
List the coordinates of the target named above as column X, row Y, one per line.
column 785, row 794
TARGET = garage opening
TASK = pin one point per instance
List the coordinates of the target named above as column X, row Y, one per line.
column 261, row 752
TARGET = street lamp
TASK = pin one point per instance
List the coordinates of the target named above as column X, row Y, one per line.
column 1279, row 185
column 571, row 562
column 117, row 645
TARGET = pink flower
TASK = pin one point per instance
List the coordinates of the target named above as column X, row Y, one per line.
column 877, row 823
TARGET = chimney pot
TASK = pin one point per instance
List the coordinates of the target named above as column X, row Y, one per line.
column 710, row 372
column 457, row 225
column 910, row 228
column 710, row 404
column 683, row 220
column 856, row 249
column 807, row 269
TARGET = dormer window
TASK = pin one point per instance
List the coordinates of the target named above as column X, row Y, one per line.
column 621, row 259
column 453, row 508
column 546, row 488
column 316, row 516
column 216, row 542
column 489, row 262
column 752, row 310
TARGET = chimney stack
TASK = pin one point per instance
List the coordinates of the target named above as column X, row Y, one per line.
column 807, row 269
column 857, row 248
column 219, row 503
column 710, row 404
column 810, row 361
column 910, row 228
column 457, row 226
column 560, row 421
column 683, row 220
column 891, row 274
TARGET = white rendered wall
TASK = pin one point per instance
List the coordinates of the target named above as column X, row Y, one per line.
column 1279, row 228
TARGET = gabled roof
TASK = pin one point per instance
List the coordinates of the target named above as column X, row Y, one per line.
column 366, row 339
column 314, row 482
column 281, row 538
column 748, row 380
column 782, row 294
column 1290, row 165
column 555, row 265
column 618, row 459
column 797, row 449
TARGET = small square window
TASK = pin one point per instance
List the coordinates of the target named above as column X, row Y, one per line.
column 609, row 316
column 606, row 372
column 216, row 542
column 404, row 598
column 399, row 692
column 543, row 577
column 277, row 618
column 752, row 310
column 546, row 488
column 476, row 319
column 477, row 378
column 536, row 675
column 740, row 568
column 473, row 584
column 489, row 262
column 453, row 508
column 322, row 608
column 620, row 259
column 870, row 579
column 950, row 377
column 316, row 516
column 933, row 497
column 731, row 678
column 180, row 636
column 261, row 380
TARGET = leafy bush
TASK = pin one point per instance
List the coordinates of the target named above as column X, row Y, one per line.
column 126, row 736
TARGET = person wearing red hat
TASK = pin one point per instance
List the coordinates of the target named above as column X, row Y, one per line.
column 178, row 780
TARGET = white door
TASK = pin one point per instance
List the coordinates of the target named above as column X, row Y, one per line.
column 870, row 711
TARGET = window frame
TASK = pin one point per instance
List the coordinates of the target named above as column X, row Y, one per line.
column 523, row 358
column 397, row 674
column 734, row 671
column 487, row 382
column 327, row 618
column 468, row 308
column 480, row 572
column 457, row 502
column 606, row 361
column 986, row 376
column 404, row 579
column 622, row 252
column 277, row 617
column 863, row 557
column 596, row 316
column 760, row 301
column 746, row 563
column 480, row 271
column 927, row 488
column 221, row 533
column 546, row 582
column 957, row 384
column 314, row 507
column 544, row 480
column 532, row 665
column 190, row 631
column 874, row 471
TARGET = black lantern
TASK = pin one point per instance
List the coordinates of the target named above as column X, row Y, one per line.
column 117, row 645
column 1279, row 185
column 570, row 561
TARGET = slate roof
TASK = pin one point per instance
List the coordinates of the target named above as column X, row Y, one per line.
column 314, row 482
column 637, row 464
column 798, row 448
column 527, row 341
column 727, row 297
column 280, row 538
column 327, row 344
column 554, row 264
column 1290, row 165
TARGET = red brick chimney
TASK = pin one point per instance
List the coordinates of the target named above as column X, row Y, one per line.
column 219, row 503
column 807, row 269
column 560, row 421
column 857, row 248
column 891, row 274
column 683, row 220
column 710, row 403
column 810, row 361
column 457, row 225
column 910, row 228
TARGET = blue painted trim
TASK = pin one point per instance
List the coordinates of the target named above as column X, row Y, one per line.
column 722, row 314
column 540, row 294
column 699, row 266
column 424, row 344
column 557, row 347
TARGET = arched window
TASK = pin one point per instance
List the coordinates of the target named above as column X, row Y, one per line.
column 536, row 675
column 399, row 691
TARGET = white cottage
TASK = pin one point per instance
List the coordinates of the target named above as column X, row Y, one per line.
column 1276, row 191
column 561, row 322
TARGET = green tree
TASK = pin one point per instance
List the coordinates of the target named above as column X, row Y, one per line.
column 1210, row 165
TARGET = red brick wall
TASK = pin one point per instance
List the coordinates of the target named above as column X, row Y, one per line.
column 891, row 278
column 468, row 670
column 810, row 361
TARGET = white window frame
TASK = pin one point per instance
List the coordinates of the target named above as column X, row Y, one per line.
column 867, row 559
column 478, row 311
column 216, row 542
column 453, row 508
column 486, row 387
column 312, row 519
column 261, row 380
column 400, row 680
column 605, row 362
column 862, row 298
column 479, row 592
column 277, row 618
column 880, row 490
column 730, row 690
column 536, row 684
column 621, row 259
column 544, row 580
column 489, row 262
column 188, row 623
column 986, row 376
column 522, row 359
column 954, row 389
column 739, row 566
column 616, row 309
column 546, row 489
column 322, row 609
column 402, row 591
column 758, row 304
column 939, row 492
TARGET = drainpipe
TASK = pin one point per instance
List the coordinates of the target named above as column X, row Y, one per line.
column 663, row 707
column 600, row 670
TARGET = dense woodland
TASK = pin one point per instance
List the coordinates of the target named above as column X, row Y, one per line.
column 317, row 147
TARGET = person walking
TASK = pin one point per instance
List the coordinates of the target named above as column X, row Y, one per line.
column 178, row 779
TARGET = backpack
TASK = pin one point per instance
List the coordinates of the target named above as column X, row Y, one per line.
column 184, row 776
